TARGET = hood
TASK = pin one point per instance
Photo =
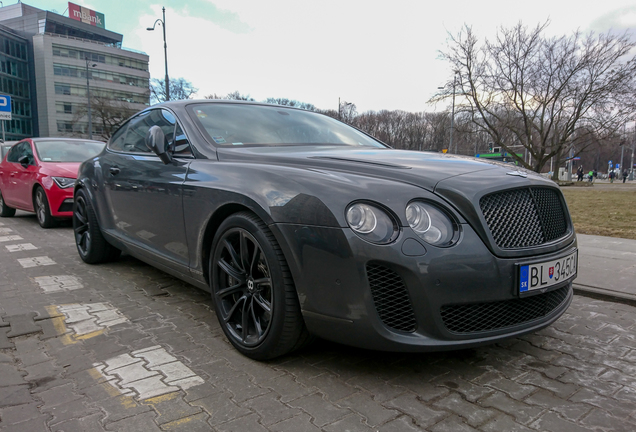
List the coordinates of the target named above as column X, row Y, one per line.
column 424, row 169
column 60, row 169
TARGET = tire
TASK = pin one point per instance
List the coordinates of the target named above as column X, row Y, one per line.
column 42, row 209
column 253, row 291
column 91, row 244
column 5, row 210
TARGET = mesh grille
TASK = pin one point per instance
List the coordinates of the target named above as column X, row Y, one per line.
column 524, row 217
column 391, row 298
column 479, row 317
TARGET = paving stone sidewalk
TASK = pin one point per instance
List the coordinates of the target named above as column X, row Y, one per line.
column 124, row 347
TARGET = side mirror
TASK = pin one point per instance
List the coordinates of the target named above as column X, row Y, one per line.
column 24, row 161
column 156, row 141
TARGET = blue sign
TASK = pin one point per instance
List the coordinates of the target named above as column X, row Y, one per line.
column 5, row 107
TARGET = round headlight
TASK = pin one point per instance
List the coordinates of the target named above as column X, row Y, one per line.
column 430, row 223
column 371, row 223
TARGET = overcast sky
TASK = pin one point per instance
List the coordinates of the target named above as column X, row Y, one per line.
column 378, row 55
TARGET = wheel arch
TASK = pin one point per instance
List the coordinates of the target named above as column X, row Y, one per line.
column 216, row 219
column 34, row 189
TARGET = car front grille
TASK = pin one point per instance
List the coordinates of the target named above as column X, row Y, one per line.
column 391, row 298
column 480, row 317
column 524, row 217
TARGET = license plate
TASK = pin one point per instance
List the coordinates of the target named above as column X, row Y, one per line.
column 545, row 274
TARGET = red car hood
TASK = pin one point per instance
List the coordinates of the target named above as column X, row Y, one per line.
column 60, row 169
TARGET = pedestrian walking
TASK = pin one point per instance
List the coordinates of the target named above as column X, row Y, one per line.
column 579, row 174
column 611, row 176
column 590, row 176
column 625, row 174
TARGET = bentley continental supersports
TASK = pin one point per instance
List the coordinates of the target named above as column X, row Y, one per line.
column 300, row 226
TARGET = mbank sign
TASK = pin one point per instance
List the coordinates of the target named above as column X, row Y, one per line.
column 85, row 15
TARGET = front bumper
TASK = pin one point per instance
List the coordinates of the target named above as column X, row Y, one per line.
column 337, row 278
column 60, row 200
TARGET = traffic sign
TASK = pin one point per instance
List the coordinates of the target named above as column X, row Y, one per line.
column 5, row 107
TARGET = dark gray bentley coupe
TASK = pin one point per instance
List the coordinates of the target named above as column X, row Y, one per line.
column 302, row 226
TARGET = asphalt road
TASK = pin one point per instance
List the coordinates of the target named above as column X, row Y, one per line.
column 124, row 347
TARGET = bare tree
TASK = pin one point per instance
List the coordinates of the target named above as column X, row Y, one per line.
column 292, row 103
column 347, row 112
column 110, row 114
column 235, row 95
column 180, row 88
column 545, row 95
column 107, row 115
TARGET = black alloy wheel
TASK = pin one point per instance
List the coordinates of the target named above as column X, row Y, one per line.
column 91, row 244
column 5, row 210
column 254, row 296
column 42, row 209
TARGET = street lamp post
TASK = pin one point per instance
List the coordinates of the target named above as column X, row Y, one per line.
column 450, row 146
column 162, row 22
column 631, row 166
column 88, row 96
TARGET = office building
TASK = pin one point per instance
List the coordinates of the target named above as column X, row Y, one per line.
column 63, row 52
column 15, row 82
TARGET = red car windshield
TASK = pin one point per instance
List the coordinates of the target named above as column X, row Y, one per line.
column 59, row 150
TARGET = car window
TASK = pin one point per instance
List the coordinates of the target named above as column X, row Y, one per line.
column 180, row 145
column 117, row 140
column 19, row 150
column 227, row 124
column 133, row 139
column 61, row 150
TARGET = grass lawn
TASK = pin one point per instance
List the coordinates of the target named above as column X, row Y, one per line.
column 604, row 209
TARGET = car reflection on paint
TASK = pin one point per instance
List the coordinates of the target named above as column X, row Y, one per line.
column 302, row 226
column 38, row 174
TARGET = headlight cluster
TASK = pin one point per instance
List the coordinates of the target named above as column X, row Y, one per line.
column 430, row 224
column 374, row 224
column 64, row 182
column 371, row 223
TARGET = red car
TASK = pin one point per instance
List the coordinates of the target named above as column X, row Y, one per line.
column 38, row 175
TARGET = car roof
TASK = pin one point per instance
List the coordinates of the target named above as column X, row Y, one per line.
column 63, row 138
column 183, row 102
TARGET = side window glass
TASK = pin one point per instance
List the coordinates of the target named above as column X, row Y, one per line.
column 117, row 140
column 135, row 140
column 180, row 145
column 19, row 150
column 166, row 123
column 14, row 153
column 136, row 134
column 28, row 151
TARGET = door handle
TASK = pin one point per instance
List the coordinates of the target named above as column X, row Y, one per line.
column 114, row 170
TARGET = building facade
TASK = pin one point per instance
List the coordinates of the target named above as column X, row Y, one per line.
column 15, row 82
column 71, row 62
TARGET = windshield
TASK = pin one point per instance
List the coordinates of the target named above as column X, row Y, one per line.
column 227, row 124
column 67, row 151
